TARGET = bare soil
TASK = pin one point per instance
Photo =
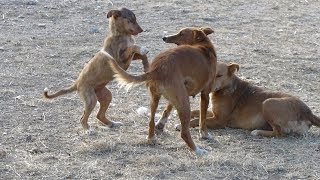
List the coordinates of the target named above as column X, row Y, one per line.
column 46, row 43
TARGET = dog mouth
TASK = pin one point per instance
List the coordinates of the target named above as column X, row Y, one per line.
column 134, row 33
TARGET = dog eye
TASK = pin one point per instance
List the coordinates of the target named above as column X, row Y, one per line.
column 218, row 75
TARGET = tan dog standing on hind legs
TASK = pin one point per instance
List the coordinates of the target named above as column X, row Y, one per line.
column 178, row 73
column 97, row 73
column 238, row 104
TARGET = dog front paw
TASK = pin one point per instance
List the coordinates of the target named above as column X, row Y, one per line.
column 199, row 151
column 143, row 50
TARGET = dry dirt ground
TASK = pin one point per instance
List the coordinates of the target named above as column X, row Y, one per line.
column 46, row 43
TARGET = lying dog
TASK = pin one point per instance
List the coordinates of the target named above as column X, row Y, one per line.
column 97, row 73
column 176, row 74
column 238, row 104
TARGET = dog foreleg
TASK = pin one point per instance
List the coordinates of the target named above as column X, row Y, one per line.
column 144, row 59
column 196, row 114
column 129, row 54
column 204, row 102
column 211, row 122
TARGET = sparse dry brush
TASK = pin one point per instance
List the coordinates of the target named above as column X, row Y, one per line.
column 46, row 43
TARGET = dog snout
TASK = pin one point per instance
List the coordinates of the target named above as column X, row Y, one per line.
column 164, row 39
column 140, row 29
column 136, row 30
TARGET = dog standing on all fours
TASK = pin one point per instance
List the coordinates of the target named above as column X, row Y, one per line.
column 91, row 82
column 238, row 104
column 176, row 74
column 182, row 38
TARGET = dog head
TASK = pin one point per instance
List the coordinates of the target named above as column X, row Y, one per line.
column 124, row 21
column 224, row 75
column 189, row 36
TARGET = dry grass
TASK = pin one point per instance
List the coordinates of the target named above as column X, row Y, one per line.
column 46, row 43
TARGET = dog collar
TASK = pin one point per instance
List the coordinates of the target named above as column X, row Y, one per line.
column 106, row 53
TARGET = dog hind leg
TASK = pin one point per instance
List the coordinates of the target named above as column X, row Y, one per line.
column 273, row 113
column 90, row 101
column 274, row 133
column 182, row 104
column 154, row 101
column 183, row 109
column 164, row 118
column 104, row 97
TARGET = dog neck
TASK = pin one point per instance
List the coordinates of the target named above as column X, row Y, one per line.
column 242, row 91
column 114, row 31
column 228, row 90
column 207, row 44
column 106, row 53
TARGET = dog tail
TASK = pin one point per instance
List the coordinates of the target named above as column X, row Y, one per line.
column 315, row 120
column 128, row 80
column 59, row 93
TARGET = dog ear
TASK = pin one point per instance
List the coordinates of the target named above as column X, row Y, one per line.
column 199, row 35
column 232, row 68
column 207, row 30
column 114, row 13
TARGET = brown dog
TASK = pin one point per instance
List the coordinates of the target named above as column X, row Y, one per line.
column 238, row 104
column 97, row 73
column 182, row 38
column 176, row 74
